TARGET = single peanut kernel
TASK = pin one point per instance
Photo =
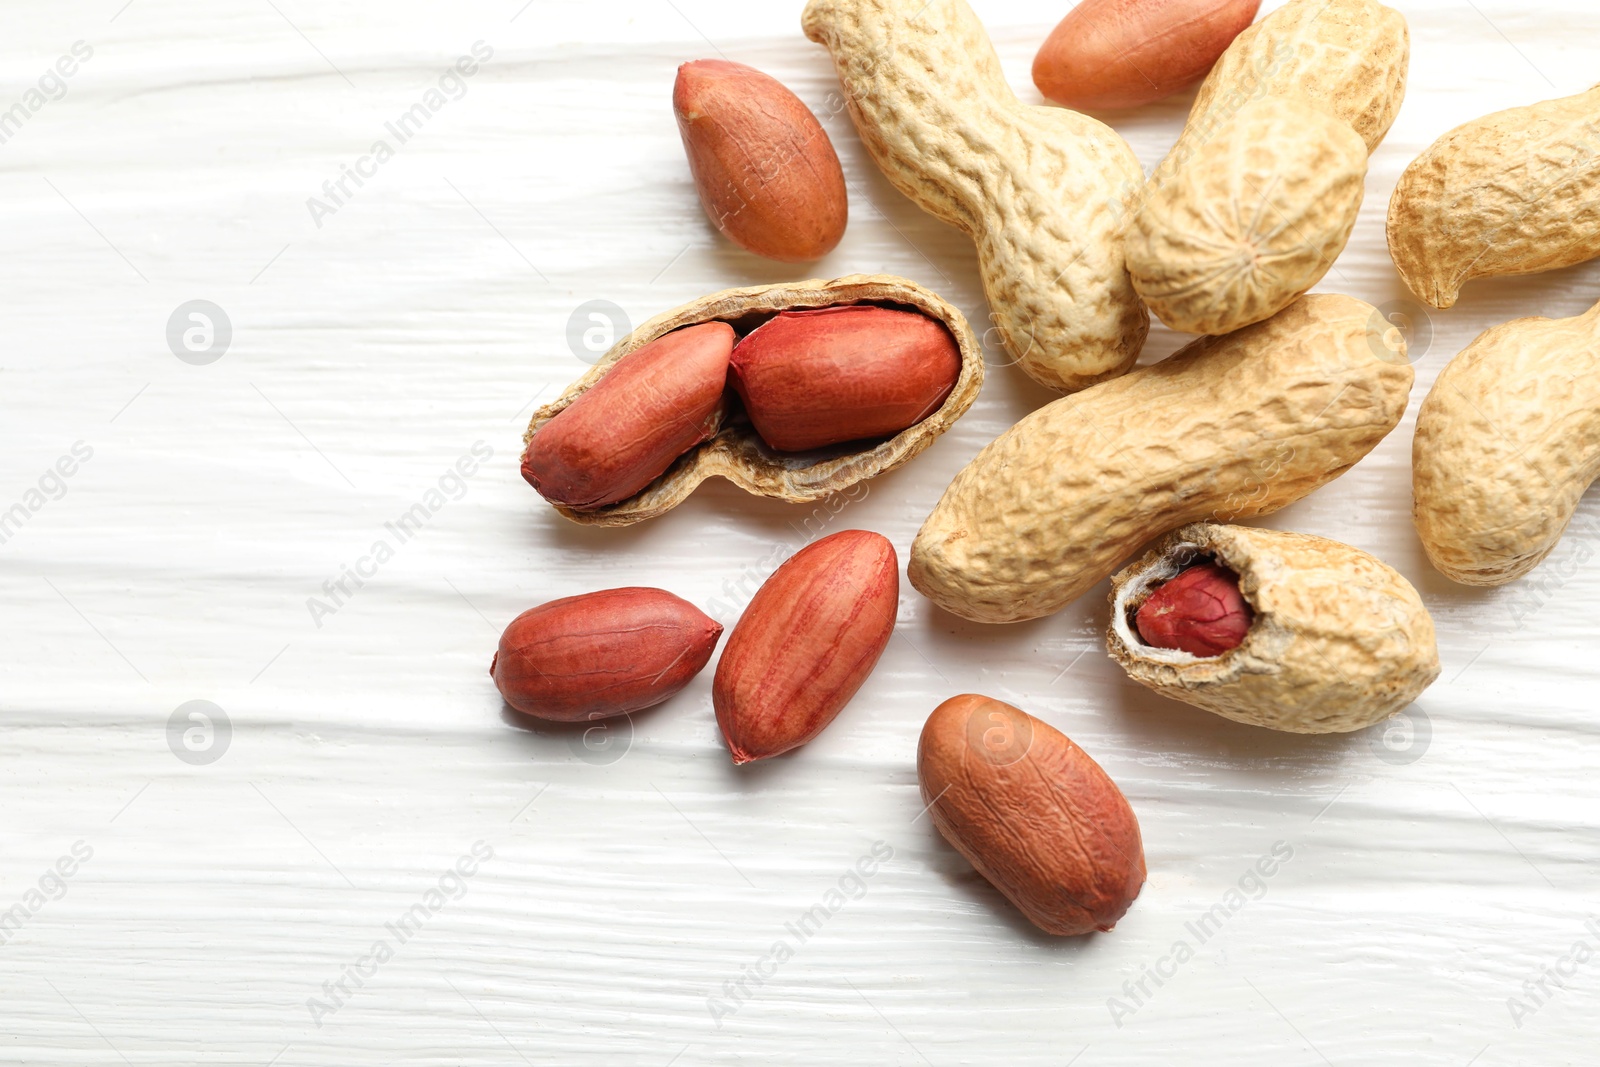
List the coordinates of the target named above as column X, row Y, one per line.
column 1200, row 611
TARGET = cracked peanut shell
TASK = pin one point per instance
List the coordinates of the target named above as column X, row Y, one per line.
column 737, row 452
column 1339, row 640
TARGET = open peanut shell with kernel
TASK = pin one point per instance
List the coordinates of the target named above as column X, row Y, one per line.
column 1337, row 640
column 736, row 451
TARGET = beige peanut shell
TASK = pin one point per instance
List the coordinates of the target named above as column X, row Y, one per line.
column 1043, row 192
column 737, row 452
column 1346, row 57
column 1516, row 192
column 1340, row 640
column 1254, row 218
column 1230, row 426
column 1507, row 441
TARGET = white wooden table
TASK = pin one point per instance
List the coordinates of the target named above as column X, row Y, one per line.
column 225, row 905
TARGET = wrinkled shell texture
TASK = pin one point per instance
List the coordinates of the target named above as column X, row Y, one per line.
column 600, row 654
column 1043, row 192
column 1340, row 639
column 1124, row 53
column 1228, row 427
column 1346, row 57
column 737, row 452
column 767, row 174
column 1516, row 192
column 1508, row 440
column 1255, row 218
column 810, row 637
column 1032, row 812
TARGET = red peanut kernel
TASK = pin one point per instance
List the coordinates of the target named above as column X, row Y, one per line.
column 1200, row 611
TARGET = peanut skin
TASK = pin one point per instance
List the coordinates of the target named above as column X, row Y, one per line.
column 602, row 654
column 811, row 635
column 1042, row 192
column 1338, row 640
column 1231, row 426
column 624, row 433
column 767, row 174
column 1032, row 812
column 1109, row 54
column 829, row 375
column 1508, row 440
column 1201, row 611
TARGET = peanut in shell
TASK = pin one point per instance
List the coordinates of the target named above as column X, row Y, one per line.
column 1508, row 440
column 1338, row 639
column 737, row 452
column 1231, row 426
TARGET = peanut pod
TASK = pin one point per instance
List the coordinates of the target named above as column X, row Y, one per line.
column 1347, row 58
column 1032, row 812
column 1338, row 639
column 1042, row 192
column 1515, row 192
column 1507, row 441
column 737, row 452
column 1254, row 219
column 1230, row 426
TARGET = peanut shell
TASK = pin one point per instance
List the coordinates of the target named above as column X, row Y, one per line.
column 1339, row 639
column 737, row 452
column 1253, row 219
column 1043, row 192
column 1508, row 440
column 1230, row 426
column 1515, row 192
column 1345, row 57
